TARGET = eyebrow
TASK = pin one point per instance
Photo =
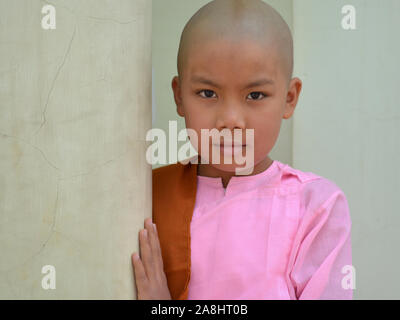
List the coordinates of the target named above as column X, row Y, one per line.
column 255, row 83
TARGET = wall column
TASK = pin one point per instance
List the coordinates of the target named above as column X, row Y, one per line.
column 75, row 186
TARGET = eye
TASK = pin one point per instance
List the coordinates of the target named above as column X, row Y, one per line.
column 256, row 94
column 208, row 93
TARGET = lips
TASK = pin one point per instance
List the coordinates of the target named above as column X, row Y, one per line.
column 229, row 149
column 228, row 144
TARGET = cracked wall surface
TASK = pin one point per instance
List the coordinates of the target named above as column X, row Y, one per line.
column 75, row 107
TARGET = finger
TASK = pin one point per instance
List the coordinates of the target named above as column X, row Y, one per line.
column 158, row 247
column 139, row 272
column 158, row 273
column 154, row 244
column 146, row 254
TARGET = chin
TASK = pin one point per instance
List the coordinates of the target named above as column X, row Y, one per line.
column 227, row 167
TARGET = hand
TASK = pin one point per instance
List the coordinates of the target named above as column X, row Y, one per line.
column 151, row 282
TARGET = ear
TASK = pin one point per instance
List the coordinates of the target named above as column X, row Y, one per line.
column 292, row 97
column 176, row 88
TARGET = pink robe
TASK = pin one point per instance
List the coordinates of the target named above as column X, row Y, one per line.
column 279, row 234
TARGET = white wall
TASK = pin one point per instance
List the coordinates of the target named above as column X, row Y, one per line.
column 346, row 126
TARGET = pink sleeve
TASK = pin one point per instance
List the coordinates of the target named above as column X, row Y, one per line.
column 322, row 247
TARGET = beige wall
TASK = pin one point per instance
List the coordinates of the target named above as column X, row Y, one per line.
column 74, row 183
column 169, row 19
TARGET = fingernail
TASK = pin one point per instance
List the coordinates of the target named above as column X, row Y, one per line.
column 154, row 226
column 135, row 256
column 145, row 232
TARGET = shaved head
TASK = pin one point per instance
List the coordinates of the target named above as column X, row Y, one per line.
column 238, row 20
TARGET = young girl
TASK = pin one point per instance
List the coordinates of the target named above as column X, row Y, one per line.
column 276, row 233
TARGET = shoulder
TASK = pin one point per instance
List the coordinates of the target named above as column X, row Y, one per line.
column 179, row 178
column 175, row 171
column 167, row 178
column 167, row 171
column 315, row 190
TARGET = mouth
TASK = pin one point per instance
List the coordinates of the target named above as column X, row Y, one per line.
column 228, row 145
column 229, row 149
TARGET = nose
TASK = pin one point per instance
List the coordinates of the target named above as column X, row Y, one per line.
column 230, row 116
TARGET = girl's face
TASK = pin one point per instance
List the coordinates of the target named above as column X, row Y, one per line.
column 235, row 85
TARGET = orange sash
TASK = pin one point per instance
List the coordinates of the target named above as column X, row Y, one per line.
column 174, row 195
